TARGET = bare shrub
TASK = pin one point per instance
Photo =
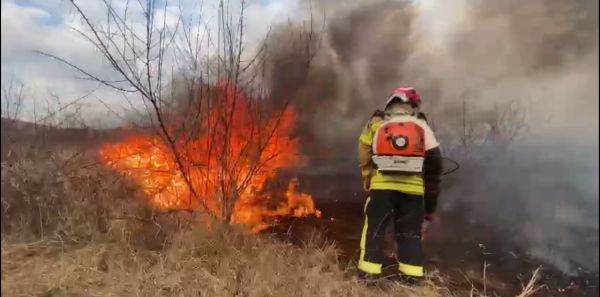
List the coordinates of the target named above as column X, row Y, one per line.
column 61, row 195
column 192, row 86
column 12, row 100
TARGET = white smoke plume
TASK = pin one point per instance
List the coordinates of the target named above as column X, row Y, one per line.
column 525, row 69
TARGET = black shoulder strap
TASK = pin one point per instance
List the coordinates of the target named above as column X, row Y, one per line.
column 378, row 113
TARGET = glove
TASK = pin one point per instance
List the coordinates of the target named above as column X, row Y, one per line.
column 427, row 219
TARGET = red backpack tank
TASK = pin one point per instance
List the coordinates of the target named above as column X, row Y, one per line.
column 399, row 147
column 399, row 139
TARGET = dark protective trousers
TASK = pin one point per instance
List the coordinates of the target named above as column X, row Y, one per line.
column 406, row 212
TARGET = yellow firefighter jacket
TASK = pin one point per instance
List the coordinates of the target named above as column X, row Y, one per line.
column 373, row 179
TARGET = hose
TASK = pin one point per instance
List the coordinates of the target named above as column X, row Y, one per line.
column 456, row 166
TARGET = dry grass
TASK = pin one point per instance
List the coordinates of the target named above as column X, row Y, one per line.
column 197, row 263
column 64, row 196
column 531, row 288
column 68, row 229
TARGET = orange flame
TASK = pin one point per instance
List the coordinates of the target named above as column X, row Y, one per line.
column 236, row 157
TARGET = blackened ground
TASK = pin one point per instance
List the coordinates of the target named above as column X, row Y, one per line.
column 455, row 247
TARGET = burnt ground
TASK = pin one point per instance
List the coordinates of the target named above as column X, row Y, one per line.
column 455, row 247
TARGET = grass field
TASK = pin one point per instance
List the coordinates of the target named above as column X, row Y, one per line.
column 73, row 228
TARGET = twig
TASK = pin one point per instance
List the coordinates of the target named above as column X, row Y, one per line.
column 531, row 286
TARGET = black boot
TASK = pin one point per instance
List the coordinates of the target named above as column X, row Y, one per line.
column 411, row 280
column 367, row 278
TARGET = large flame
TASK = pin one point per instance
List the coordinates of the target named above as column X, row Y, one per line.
column 256, row 147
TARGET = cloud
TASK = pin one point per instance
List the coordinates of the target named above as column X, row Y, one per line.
column 26, row 29
column 47, row 26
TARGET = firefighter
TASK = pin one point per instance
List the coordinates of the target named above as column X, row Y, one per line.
column 401, row 165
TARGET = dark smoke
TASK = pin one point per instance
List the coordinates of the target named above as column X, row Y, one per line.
column 356, row 66
column 477, row 63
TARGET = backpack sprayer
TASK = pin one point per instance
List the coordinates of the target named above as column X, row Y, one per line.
column 421, row 115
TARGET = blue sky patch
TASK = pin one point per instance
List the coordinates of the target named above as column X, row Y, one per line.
column 53, row 16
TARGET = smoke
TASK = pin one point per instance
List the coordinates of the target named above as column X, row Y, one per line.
column 524, row 70
column 357, row 64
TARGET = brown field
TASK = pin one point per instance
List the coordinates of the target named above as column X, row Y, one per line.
column 71, row 227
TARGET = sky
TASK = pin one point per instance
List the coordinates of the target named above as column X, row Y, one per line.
column 46, row 25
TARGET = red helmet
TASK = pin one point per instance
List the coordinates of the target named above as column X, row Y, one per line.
column 405, row 95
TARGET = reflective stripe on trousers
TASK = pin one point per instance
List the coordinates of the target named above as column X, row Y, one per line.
column 366, row 266
column 406, row 211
